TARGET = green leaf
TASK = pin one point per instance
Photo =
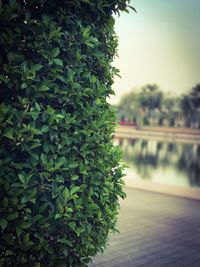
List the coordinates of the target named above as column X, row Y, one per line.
column 25, row 68
column 46, row 148
column 60, row 116
column 58, row 62
column 10, row 56
column 43, row 88
column 73, row 165
column 58, row 216
column 55, row 52
column 37, row 106
column 24, row 200
column 60, row 208
column 18, row 231
column 8, row 133
column 25, row 178
column 65, row 241
column 45, row 19
column 5, row 202
column 26, row 237
column 25, row 225
column 58, row 164
column 35, row 156
column 53, row 33
column 45, row 128
column 36, row 67
column 65, row 194
column 74, row 189
column 79, row 230
column 24, row 85
column 37, row 218
column 12, row 216
column 93, row 206
column 43, row 158
column 3, row 223
column 50, row 110
column 70, row 74
column 34, row 115
column 36, row 131
column 43, row 207
column 31, row 194
column 22, row 178
column 74, row 177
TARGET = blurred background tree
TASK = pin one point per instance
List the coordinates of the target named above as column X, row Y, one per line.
column 190, row 106
column 150, row 106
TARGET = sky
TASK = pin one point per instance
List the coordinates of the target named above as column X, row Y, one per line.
column 160, row 44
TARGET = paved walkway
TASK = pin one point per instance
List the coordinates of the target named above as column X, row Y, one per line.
column 155, row 231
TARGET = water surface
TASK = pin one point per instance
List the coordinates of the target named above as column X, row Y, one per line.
column 162, row 162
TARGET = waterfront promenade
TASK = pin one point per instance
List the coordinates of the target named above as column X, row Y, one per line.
column 166, row 134
column 156, row 230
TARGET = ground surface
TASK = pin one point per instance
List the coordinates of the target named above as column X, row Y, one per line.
column 156, row 231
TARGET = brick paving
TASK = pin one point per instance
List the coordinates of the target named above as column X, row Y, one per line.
column 155, row 231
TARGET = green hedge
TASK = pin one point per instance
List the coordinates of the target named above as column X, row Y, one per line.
column 60, row 176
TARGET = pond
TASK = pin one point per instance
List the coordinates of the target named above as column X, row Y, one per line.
column 162, row 162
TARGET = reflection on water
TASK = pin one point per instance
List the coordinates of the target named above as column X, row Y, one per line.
column 167, row 163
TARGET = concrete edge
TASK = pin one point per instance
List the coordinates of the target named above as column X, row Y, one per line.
column 190, row 193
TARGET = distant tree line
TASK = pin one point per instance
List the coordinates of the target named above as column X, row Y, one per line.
column 150, row 106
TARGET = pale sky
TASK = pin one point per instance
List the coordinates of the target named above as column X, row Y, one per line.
column 160, row 44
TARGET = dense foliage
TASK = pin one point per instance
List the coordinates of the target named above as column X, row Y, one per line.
column 150, row 106
column 60, row 177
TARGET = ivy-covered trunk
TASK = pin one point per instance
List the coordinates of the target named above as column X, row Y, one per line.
column 60, row 176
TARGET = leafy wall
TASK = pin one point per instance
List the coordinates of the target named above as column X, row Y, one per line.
column 60, row 176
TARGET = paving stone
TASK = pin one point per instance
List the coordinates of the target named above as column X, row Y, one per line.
column 155, row 231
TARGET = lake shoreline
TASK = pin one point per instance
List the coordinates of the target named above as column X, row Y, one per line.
column 172, row 190
column 166, row 134
column 161, row 162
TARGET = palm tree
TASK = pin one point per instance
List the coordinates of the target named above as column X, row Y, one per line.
column 190, row 105
column 150, row 99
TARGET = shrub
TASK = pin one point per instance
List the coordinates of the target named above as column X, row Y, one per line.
column 60, row 177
